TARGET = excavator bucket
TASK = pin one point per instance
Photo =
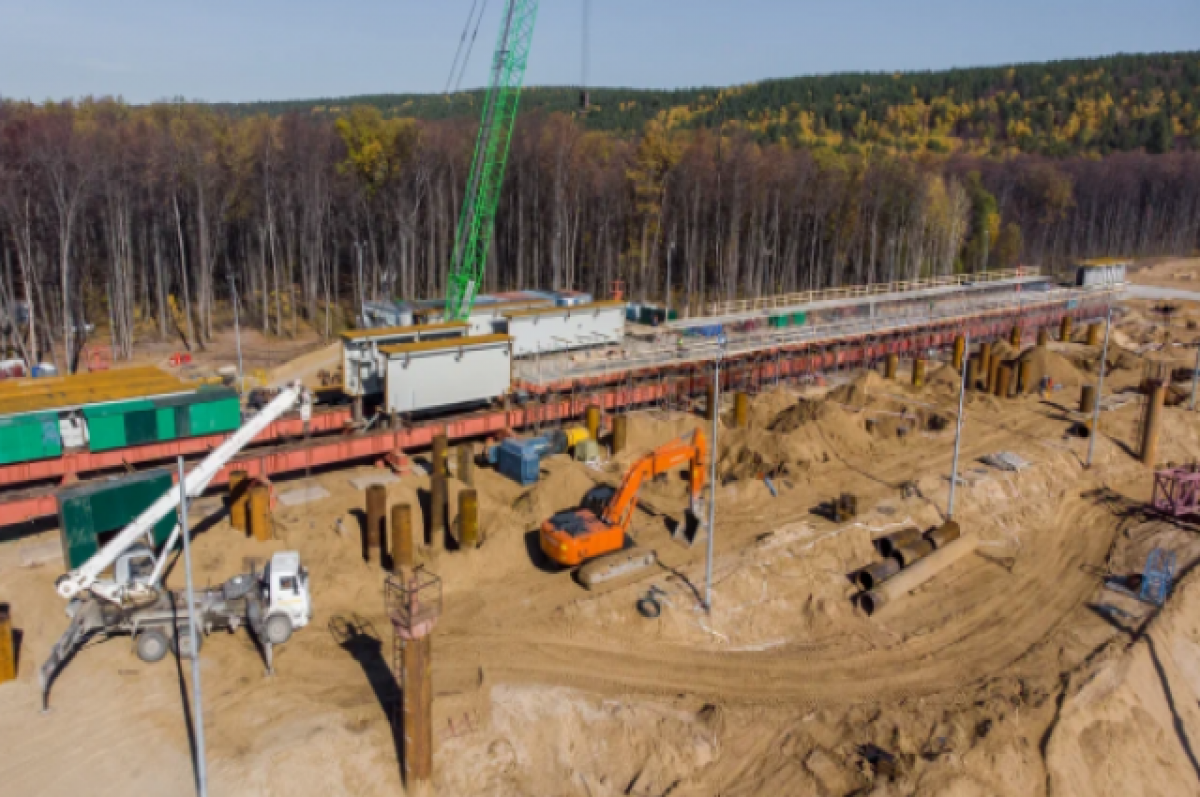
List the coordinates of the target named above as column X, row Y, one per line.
column 691, row 528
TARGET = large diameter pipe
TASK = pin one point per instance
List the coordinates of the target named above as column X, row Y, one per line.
column 8, row 648
column 1014, row 337
column 238, row 498
column 741, row 410
column 918, row 372
column 944, row 534
column 1152, row 422
column 889, row 366
column 985, row 360
column 888, row 543
column 1064, row 329
column 973, row 373
column 1025, row 375
column 402, row 538
column 1087, row 399
column 960, row 348
column 259, row 517
column 913, row 577
column 619, row 433
column 870, row 577
column 1043, row 337
column 914, row 551
column 376, row 520
column 468, row 519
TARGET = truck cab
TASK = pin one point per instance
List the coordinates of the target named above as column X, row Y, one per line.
column 286, row 596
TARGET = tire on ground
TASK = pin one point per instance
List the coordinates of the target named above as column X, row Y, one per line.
column 181, row 643
column 151, row 645
column 278, row 629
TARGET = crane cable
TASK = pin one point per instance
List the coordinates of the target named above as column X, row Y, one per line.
column 461, row 68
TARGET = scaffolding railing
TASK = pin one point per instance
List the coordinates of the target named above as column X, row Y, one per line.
column 672, row 349
column 734, row 306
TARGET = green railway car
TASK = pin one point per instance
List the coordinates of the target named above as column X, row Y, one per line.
column 142, row 421
column 32, row 435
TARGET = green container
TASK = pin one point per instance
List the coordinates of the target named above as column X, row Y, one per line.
column 89, row 513
column 30, row 436
column 778, row 321
column 214, row 411
column 120, row 424
column 799, row 319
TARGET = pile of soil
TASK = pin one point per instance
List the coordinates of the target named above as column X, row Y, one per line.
column 1046, row 363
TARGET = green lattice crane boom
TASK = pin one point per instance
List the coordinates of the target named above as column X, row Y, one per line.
column 476, row 222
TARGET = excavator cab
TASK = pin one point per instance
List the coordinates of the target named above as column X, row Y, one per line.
column 595, row 535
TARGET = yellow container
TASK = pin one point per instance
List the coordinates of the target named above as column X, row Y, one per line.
column 576, row 435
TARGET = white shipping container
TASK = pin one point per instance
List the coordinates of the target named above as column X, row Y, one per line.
column 553, row 329
column 447, row 373
column 364, row 369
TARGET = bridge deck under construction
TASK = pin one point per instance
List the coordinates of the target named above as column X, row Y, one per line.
column 550, row 391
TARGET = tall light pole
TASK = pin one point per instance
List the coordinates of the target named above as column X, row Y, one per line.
column 962, row 396
column 362, row 288
column 712, row 476
column 670, row 258
column 237, row 333
column 1099, row 390
column 193, row 639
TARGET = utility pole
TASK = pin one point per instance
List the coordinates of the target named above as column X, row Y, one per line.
column 712, row 477
column 193, row 639
column 1195, row 378
column 237, row 333
column 362, row 289
column 962, row 397
column 670, row 258
column 1100, row 390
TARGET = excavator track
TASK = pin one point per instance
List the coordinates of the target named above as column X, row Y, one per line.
column 616, row 567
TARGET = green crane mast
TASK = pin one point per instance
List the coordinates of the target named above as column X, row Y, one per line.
column 476, row 223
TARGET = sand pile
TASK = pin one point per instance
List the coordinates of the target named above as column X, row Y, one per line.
column 804, row 433
column 1047, row 363
column 563, row 483
column 859, row 392
column 944, row 380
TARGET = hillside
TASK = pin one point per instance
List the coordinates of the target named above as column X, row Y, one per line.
column 1099, row 105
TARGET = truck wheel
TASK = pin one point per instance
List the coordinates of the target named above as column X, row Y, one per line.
column 279, row 629
column 181, row 644
column 151, row 645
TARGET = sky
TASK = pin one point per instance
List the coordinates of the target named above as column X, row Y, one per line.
column 241, row 50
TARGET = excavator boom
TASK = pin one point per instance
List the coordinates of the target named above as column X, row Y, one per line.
column 596, row 539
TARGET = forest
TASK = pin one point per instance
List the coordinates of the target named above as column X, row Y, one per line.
column 109, row 213
column 1119, row 103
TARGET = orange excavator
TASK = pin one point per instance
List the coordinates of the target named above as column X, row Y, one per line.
column 595, row 535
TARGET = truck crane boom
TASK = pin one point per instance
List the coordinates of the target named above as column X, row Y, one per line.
column 476, row 222
column 87, row 575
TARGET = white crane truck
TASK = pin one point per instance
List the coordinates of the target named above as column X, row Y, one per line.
column 133, row 602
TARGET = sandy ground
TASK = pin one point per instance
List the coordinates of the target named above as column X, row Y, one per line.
column 1016, row 672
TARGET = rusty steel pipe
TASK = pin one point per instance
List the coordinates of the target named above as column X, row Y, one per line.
column 888, row 543
column 944, row 534
column 914, row 551
column 913, row 577
column 870, row 577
